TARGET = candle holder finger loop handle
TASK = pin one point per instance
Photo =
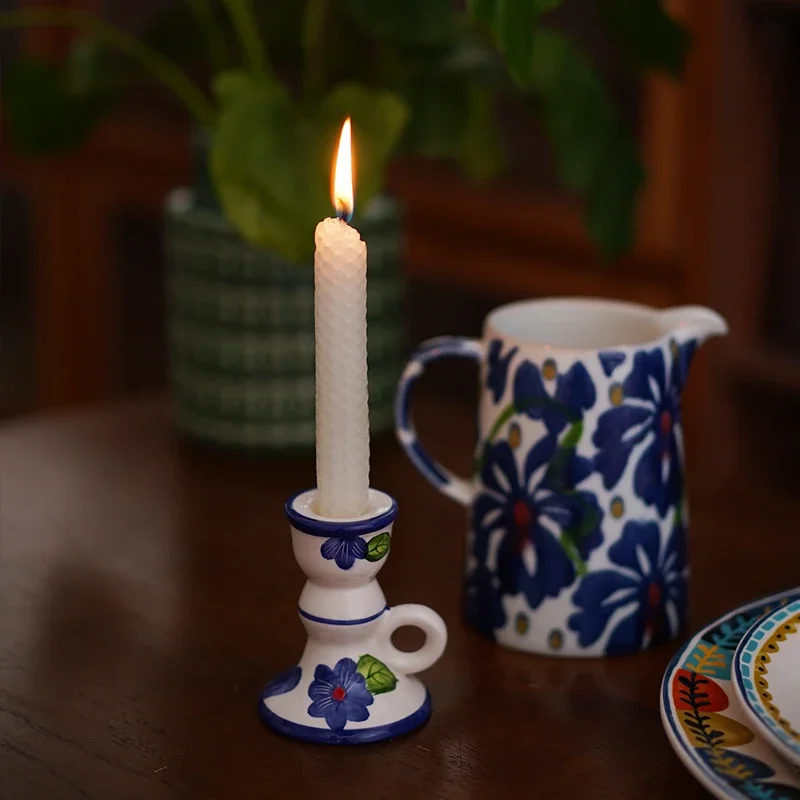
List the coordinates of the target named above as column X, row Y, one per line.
column 415, row 616
column 453, row 486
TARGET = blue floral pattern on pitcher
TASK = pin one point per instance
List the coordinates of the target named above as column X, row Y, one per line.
column 577, row 538
column 646, row 410
column 645, row 591
column 571, row 393
column 535, row 527
column 546, row 527
column 498, row 368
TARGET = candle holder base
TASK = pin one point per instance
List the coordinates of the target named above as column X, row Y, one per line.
column 351, row 685
column 293, row 721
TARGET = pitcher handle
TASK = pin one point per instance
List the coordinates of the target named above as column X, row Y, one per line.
column 415, row 616
column 432, row 350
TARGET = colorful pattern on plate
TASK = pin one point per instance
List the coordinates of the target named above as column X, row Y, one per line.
column 751, row 670
column 703, row 717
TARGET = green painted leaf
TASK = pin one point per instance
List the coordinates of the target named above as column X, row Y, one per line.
column 378, row 546
column 649, row 37
column 572, row 436
column 594, row 154
column 379, row 678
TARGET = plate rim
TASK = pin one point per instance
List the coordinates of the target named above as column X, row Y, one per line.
column 787, row 747
column 698, row 769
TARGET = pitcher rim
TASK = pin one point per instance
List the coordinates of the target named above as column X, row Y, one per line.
column 642, row 310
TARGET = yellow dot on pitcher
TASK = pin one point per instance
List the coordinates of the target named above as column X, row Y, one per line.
column 616, row 395
column 521, row 624
column 514, row 435
column 549, row 369
column 555, row 639
column 617, row 507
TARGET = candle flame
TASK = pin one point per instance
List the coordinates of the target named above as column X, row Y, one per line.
column 342, row 188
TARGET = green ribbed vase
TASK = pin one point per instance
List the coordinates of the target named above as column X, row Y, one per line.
column 241, row 329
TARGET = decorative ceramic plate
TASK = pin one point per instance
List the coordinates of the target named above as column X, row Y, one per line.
column 707, row 725
column 766, row 669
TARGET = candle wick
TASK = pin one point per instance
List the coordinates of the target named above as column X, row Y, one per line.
column 342, row 215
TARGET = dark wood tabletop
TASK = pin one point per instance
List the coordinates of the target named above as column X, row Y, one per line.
column 148, row 591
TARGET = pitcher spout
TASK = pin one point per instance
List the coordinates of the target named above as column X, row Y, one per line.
column 697, row 323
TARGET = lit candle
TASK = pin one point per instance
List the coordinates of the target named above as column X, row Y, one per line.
column 340, row 316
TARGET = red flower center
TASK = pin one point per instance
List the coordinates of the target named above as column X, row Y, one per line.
column 654, row 597
column 666, row 428
column 339, row 694
column 522, row 521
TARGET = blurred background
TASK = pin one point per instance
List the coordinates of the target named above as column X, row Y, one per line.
column 113, row 285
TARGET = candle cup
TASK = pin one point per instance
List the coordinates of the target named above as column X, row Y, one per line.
column 351, row 684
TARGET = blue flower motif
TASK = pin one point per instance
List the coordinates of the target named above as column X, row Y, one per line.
column 573, row 394
column 339, row 695
column 498, row 368
column 283, row 683
column 610, row 360
column 648, row 411
column 483, row 602
column 545, row 525
column 646, row 595
column 344, row 551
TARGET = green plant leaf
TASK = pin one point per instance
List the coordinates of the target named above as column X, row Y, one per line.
column 44, row 113
column 422, row 22
column 512, row 24
column 271, row 158
column 255, row 164
column 175, row 33
column 379, row 678
column 649, row 37
column 378, row 546
column 480, row 152
column 378, row 120
column 594, row 154
column 481, row 10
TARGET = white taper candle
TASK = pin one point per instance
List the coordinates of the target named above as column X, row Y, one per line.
column 340, row 314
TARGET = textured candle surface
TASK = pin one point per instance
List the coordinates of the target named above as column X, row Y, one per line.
column 340, row 315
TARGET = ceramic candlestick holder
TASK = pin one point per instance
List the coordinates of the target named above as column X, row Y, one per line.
column 351, row 685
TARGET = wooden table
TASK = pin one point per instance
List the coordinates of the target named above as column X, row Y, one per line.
column 147, row 592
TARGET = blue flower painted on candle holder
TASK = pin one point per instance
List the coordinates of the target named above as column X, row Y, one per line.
column 339, row 695
column 345, row 552
column 283, row 683
column 571, row 393
column 645, row 593
column 646, row 411
column 498, row 368
column 544, row 527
